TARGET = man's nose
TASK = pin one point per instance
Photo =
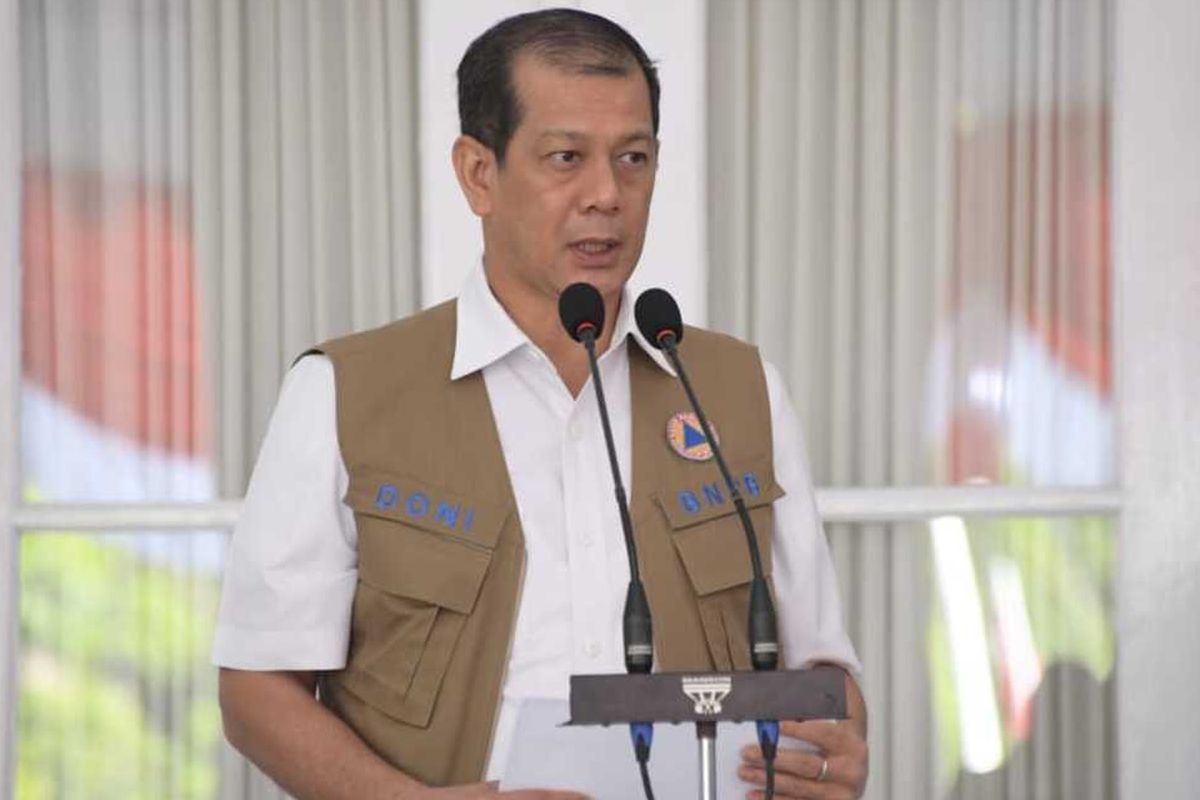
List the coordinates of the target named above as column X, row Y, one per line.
column 601, row 191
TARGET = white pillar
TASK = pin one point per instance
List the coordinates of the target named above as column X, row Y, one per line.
column 1156, row 226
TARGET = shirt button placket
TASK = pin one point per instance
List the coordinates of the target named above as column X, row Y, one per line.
column 589, row 578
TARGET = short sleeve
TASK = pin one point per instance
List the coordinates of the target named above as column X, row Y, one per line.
column 291, row 567
column 811, row 628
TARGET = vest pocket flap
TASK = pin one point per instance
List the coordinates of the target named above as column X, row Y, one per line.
column 715, row 556
column 442, row 512
column 414, row 563
column 694, row 502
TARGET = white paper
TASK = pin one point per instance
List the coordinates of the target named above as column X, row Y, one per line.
column 599, row 761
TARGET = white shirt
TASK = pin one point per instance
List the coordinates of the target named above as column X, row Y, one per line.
column 291, row 570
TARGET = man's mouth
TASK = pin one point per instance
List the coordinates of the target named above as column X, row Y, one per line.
column 595, row 246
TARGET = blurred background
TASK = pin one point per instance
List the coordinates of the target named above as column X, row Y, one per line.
column 908, row 204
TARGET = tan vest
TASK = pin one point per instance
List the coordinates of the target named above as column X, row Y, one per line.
column 441, row 552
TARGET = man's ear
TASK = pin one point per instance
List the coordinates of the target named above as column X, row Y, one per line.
column 475, row 166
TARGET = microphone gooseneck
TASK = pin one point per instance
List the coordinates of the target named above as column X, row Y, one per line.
column 581, row 310
column 660, row 323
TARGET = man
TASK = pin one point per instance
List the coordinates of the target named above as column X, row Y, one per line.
column 430, row 528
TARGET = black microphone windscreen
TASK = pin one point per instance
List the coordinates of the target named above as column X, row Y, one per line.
column 580, row 306
column 657, row 313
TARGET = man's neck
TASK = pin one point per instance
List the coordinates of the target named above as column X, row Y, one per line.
column 536, row 315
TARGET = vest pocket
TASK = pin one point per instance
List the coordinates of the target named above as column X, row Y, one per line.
column 711, row 545
column 417, row 586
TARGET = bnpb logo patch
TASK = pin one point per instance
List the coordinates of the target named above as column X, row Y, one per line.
column 686, row 437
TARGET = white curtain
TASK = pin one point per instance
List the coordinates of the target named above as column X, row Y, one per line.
column 909, row 216
column 217, row 185
column 306, row 207
column 209, row 188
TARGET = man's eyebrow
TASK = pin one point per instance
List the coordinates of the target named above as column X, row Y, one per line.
column 562, row 133
column 638, row 136
column 578, row 136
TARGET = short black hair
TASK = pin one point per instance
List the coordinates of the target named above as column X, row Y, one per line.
column 588, row 44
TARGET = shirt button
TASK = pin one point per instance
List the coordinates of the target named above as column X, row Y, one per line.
column 575, row 430
column 592, row 649
column 588, row 540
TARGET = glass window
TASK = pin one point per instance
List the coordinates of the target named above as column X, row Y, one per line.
column 116, row 695
column 207, row 192
column 913, row 225
column 115, row 394
column 989, row 647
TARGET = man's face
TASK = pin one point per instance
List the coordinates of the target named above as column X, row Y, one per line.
column 573, row 197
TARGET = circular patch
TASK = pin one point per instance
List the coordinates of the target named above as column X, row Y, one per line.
column 686, row 437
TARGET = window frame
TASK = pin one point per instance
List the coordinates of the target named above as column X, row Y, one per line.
column 10, row 365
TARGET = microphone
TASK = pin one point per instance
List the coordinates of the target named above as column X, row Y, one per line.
column 660, row 323
column 659, row 320
column 581, row 311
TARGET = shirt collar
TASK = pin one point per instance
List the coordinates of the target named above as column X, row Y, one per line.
column 626, row 327
column 485, row 332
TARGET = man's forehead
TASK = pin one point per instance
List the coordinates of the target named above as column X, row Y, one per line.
column 560, row 99
column 575, row 63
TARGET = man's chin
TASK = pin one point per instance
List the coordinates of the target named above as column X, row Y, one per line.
column 608, row 280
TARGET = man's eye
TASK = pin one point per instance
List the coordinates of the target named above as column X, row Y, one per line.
column 635, row 157
column 564, row 157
